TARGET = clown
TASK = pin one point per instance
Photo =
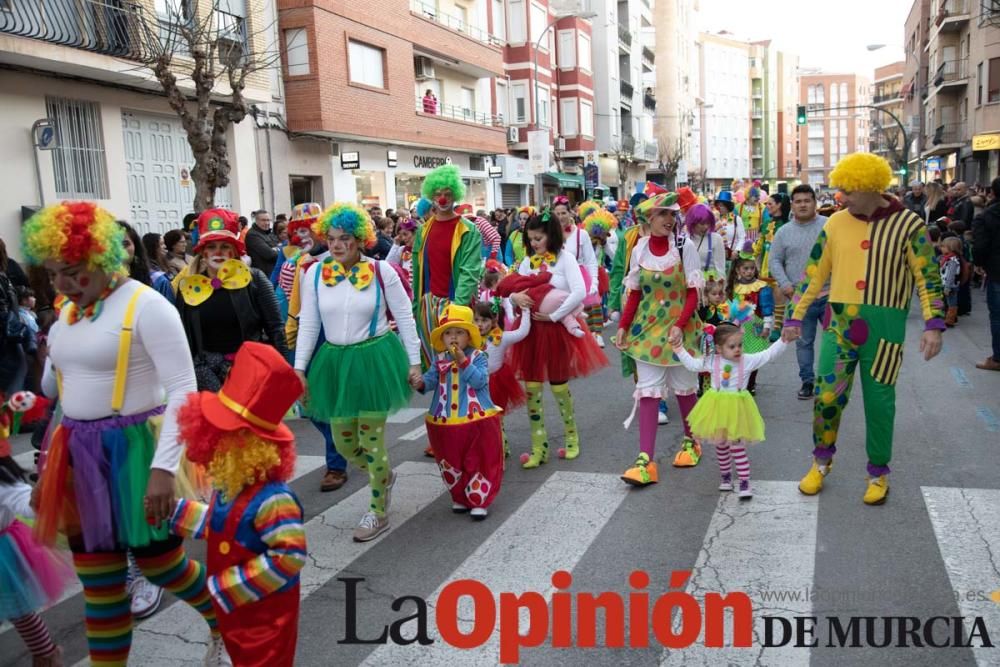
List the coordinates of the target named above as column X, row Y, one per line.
column 514, row 252
column 873, row 254
column 253, row 525
column 730, row 226
column 447, row 262
column 401, row 254
column 300, row 242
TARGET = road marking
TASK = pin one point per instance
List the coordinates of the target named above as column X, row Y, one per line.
column 415, row 434
column 551, row 531
column 960, row 377
column 967, row 527
column 990, row 419
column 759, row 547
column 177, row 636
column 406, row 415
column 26, row 460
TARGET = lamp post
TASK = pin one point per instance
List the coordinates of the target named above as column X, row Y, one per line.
column 538, row 45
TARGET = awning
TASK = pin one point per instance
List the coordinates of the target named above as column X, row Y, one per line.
column 568, row 181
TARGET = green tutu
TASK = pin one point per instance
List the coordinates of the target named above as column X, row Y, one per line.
column 753, row 342
column 365, row 379
column 726, row 416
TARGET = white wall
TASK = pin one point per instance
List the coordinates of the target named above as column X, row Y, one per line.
column 726, row 132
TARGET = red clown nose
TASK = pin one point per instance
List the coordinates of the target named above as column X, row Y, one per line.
column 442, row 201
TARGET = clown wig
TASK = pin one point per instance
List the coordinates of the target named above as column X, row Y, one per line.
column 861, row 172
column 234, row 459
column 698, row 214
column 588, row 208
column 350, row 218
column 600, row 224
column 75, row 232
column 445, row 177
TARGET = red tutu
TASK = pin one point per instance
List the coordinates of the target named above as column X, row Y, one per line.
column 506, row 392
column 551, row 354
column 603, row 281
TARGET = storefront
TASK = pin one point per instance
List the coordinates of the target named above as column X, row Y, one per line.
column 390, row 177
column 515, row 187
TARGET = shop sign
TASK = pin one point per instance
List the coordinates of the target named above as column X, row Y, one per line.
column 986, row 142
column 932, row 164
column 391, row 158
column 430, row 161
column 350, row 160
column 496, row 172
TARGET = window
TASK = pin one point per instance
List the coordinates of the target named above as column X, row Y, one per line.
column 519, row 95
column 567, row 115
column 993, row 85
column 816, row 146
column 543, row 106
column 78, row 161
column 538, row 24
column 297, row 51
column 567, row 49
column 979, row 84
column 366, row 64
column 516, row 21
column 844, row 99
column 834, row 98
column 583, row 47
column 468, row 103
column 462, row 15
column 503, row 102
column 499, row 21
column 586, row 118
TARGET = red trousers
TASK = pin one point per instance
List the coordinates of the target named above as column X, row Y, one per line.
column 470, row 457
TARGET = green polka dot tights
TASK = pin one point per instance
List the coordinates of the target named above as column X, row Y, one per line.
column 362, row 442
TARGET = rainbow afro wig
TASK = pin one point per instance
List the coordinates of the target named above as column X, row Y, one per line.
column 698, row 214
column 588, row 208
column 861, row 172
column 73, row 233
column 445, row 177
column 350, row 218
column 600, row 224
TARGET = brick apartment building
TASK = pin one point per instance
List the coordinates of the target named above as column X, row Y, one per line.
column 832, row 130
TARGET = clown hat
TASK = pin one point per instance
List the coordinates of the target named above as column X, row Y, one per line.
column 304, row 215
column 219, row 224
column 464, row 209
column 686, row 198
column 258, row 393
column 652, row 189
column 725, row 196
column 459, row 317
column 656, row 202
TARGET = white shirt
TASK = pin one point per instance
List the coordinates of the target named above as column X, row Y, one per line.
column 495, row 353
column 565, row 276
column 345, row 313
column 739, row 375
column 695, row 253
column 15, row 501
column 579, row 245
column 731, row 229
column 159, row 363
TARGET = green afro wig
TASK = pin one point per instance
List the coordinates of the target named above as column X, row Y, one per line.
column 861, row 172
column 445, row 177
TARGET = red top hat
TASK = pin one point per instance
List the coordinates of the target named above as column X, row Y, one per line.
column 686, row 198
column 259, row 391
column 219, row 224
column 464, row 209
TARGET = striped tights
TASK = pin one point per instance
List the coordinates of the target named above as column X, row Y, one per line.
column 35, row 635
column 730, row 452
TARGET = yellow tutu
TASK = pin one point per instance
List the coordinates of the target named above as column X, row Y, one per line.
column 726, row 416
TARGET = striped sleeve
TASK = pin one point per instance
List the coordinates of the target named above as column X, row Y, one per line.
column 190, row 519
column 926, row 274
column 279, row 526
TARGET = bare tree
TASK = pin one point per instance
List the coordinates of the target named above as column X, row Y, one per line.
column 201, row 55
column 623, row 155
column 669, row 153
column 698, row 180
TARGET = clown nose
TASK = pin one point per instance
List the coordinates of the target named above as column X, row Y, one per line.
column 442, row 201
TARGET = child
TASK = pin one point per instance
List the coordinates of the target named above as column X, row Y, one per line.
column 31, row 576
column 463, row 424
column 493, row 272
column 256, row 540
column 401, row 254
column 726, row 415
column 715, row 311
column 505, row 390
column 747, row 289
column 538, row 287
column 951, row 269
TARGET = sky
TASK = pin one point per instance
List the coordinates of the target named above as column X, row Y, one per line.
column 828, row 34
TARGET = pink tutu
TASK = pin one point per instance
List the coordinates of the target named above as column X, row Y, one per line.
column 32, row 577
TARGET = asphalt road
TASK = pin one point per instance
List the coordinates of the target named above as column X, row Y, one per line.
column 931, row 551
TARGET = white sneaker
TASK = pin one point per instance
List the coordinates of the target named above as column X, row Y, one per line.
column 371, row 526
column 459, row 508
column 662, row 418
column 146, row 597
column 478, row 513
column 217, row 656
column 600, row 340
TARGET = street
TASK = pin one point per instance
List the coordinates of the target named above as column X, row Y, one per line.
column 930, row 551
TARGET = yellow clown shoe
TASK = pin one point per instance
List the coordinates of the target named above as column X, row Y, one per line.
column 812, row 483
column 689, row 455
column 642, row 473
column 878, row 490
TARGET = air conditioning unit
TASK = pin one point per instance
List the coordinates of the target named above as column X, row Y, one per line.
column 423, row 67
column 513, row 135
column 560, row 143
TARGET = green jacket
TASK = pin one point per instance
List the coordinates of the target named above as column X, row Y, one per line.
column 466, row 264
column 619, row 266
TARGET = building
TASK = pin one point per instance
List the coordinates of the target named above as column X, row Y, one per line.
column 676, row 84
column 788, row 130
column 113, row 137
column 725, row 118
column 397, row 93
column 961, row 115
column 833, row 128
column 916, row 29
column 562, row 70
column 624, row 106
column 764, row 112
column 886, row 136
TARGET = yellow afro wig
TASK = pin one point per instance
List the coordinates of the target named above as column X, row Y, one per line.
column 588, row 208
column 861, row 172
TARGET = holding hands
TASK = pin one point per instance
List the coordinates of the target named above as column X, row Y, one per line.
column 675, row 337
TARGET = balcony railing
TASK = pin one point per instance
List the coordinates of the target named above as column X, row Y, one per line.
column 110, row 27
column 431, row 12
column 627, row 90
column 757, row 112
column 757, row 135
column 757, row 155
column 951, row 72
column 950, row 10
column 949, row 133
column 648, row 102
column 454, row 112
column 624, row 35
column 628, row 143
column 648, row 57
column 890, row 97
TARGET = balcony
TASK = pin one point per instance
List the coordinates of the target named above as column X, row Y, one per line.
column 952, row 15
column 757, row 135
column 757, row 112
column 628, row 143
column 758, row 94
column 947, row 138
column 627, row 91
column 116, row 28
column 452, row 112
column 625, row 35
column 950, row 76
column 648, row 102
column 887, row 98
column 648, row 57
column 458, row 24
column 757, row 155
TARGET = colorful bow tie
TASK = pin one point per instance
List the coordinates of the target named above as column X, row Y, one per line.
column 74, row 314
column 494, row 337
column 196, row 289
column 548, row 259
column 360, row 275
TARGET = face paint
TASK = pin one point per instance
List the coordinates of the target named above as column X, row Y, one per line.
column 84, row 281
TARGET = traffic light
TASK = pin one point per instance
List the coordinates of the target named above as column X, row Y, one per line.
column 902, row 170
column 800, row 116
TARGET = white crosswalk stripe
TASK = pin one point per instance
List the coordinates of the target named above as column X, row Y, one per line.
column 748, row 547
column 551, row 531
column 406, row 415
column 967, row 527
